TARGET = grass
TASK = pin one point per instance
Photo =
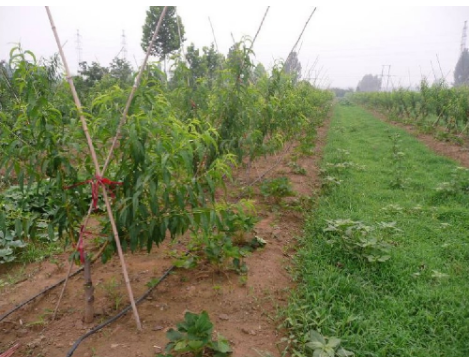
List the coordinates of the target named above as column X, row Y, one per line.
column 415, row 304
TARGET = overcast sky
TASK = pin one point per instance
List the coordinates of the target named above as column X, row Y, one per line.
column 348, row 42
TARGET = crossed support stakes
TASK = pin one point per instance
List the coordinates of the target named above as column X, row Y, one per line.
column 96, row 185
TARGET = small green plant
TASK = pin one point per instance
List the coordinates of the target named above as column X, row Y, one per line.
column 9, row 243
column 227, row 243
column 239, row 220
column 329, row 182
column 42, row 320
column 243, row 280
column 458, row 183
column 247, row 191
column 360, row 240
column 219, row 248
column 277, row 188
column 58, row 263
column 397, row 160
column 297, row 169
column 25, row 213
column 193, row 337
column 152, row 283
column 326, row 347
column 343, row 166
column 113, row 293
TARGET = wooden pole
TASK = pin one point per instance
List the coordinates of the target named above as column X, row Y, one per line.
column 301, row 34
column 260, row 26
column 70, row 266
column 97, row 169
column 119, row 128
column 180, row 37
column 213, row 33
column 134, row 89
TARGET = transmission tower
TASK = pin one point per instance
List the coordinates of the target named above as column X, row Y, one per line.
column 124, row 46
column 382, row 76
column 464, row 37
column 78, row 47
column 389, row 76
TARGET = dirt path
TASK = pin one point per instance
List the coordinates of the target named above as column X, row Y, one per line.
column 244, row 310
column 459, row 153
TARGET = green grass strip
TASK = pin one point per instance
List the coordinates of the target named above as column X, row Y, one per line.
column 417, row 302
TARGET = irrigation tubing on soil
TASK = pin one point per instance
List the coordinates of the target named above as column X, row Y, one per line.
column 8, row 313
column 115, row 317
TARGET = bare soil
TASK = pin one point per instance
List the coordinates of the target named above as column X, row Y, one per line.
column 243, row 309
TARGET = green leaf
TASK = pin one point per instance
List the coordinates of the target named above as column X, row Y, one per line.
column 50, row 231
column 174, row 335
column 333, row 342
column 315, row 336
column 195, row 344
column 315, row 345
column 342, row 352
column 319, row 353
column 17, row 244
column 221, row 345
column 18, row 228
column 384, row 258
column 180, row 346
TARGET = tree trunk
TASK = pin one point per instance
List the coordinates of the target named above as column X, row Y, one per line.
column 89, row 293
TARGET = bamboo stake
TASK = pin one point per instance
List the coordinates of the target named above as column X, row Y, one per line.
column 180, row 37
column 10, row 351
column 119, row 128
column 70, row 266
column 301, row 34
column 439, row 65
column 97, row 169
column 134, row 89
column 260, row 26
column 255, row 37
column 213, row 33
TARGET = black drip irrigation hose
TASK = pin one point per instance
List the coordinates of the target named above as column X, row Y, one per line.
column 8, row 313
column 115, row 317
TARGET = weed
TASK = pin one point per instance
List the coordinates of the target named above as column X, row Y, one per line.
column 458, row 183
column 329, row 182
column 194, row 335
column 277, row 188
column 152, row 283
column 113, row 292
column 243, row 280
column 247, row 192
column 382, row 309
column 297, row 169
column 397, row 158
column 58, row 263
column 360, row 240
column 42, row 319
column 18, row 275
column 326, row 347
